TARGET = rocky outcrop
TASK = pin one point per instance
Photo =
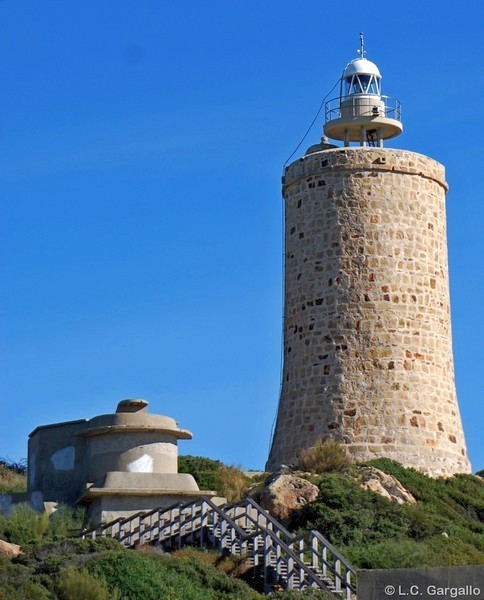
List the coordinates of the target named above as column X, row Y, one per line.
column 9, row 549
column 284, row 494
column 371, row 478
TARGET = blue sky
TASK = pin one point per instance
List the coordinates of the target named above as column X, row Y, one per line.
column 141, row 149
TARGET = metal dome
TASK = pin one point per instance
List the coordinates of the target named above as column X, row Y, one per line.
column 361, row 66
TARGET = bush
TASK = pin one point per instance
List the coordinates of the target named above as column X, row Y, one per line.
column 19, row 467
column 18, row 583
column 129, row 572
column 444, row 528
column 12, row 477
column 349, row 515
column 79, row 585
column 233, row 566
column 24, row 524
column 229, row 482
column 390, row 554
column 324, row 456
column 66, row 521
column 205, row 471
column 150, row 577
column 233, row 484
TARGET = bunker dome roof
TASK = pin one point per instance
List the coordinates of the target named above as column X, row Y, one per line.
column 131, row 415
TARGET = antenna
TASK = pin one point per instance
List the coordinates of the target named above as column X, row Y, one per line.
column 362, row 50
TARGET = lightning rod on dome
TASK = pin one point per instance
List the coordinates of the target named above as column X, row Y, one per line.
column 362, row 50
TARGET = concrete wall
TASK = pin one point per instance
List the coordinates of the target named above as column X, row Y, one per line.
column 137, row 452
column 367, row 337
column 56, row 465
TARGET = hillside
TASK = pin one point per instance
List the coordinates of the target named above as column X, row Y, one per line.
column 13, row 477
column 445, row 526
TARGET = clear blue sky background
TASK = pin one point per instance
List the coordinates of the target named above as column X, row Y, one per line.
column 141, row 146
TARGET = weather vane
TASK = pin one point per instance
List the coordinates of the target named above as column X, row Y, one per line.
column 362, row 50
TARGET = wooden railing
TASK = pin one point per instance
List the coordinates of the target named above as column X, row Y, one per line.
column 292, row 561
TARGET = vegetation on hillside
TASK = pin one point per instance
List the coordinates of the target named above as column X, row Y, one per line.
column 13, row 476
column 229, row 482
column 444, row 528
column 324, row 456
column 24, row 525
column 103, row 570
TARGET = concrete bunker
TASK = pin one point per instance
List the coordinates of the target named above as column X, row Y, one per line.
column 114, row 464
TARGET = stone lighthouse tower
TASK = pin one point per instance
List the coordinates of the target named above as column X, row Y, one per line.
column 367, row 336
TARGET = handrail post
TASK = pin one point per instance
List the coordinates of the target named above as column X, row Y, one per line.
column 181, row 526
column 348, row 584
column 192, row 524
column 337, row 578
column 290, row 572
column 267, row 542
column 302, row 573
column 161, row 526
column 324, row 555
column 203, row 522
column 314, row 551
column 141, row 530
column 223, row 533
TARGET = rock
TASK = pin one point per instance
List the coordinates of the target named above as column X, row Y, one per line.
column 371, row 478
column 285, row 494
column 9, row 549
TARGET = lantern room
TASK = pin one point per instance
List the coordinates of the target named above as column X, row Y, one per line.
column 361, row 113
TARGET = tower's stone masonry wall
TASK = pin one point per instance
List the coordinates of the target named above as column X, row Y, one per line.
column 367, row 338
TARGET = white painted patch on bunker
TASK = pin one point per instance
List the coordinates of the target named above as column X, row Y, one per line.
column 63, row 459
column 143, row 464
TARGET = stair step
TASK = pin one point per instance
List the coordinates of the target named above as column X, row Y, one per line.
column 260, row 557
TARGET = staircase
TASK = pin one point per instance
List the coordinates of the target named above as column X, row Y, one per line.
column 246, row 529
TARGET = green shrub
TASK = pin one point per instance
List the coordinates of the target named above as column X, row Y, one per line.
column 79, row 585
column 390, row 554
column 445, row 527
column 324, row 456
column 141, row 576
column 455, row 550
column 17, row 582
column 197, row 464
column 206, row 578
column 66, row 521
column 349, row 515
column 130, row 572
column 205, row 471
column 209, row 474
column 24, row 524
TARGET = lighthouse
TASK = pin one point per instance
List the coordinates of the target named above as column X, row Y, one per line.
column 367, row 332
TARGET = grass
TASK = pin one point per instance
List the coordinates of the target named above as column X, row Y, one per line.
column 324, row 456
column 13, row 477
